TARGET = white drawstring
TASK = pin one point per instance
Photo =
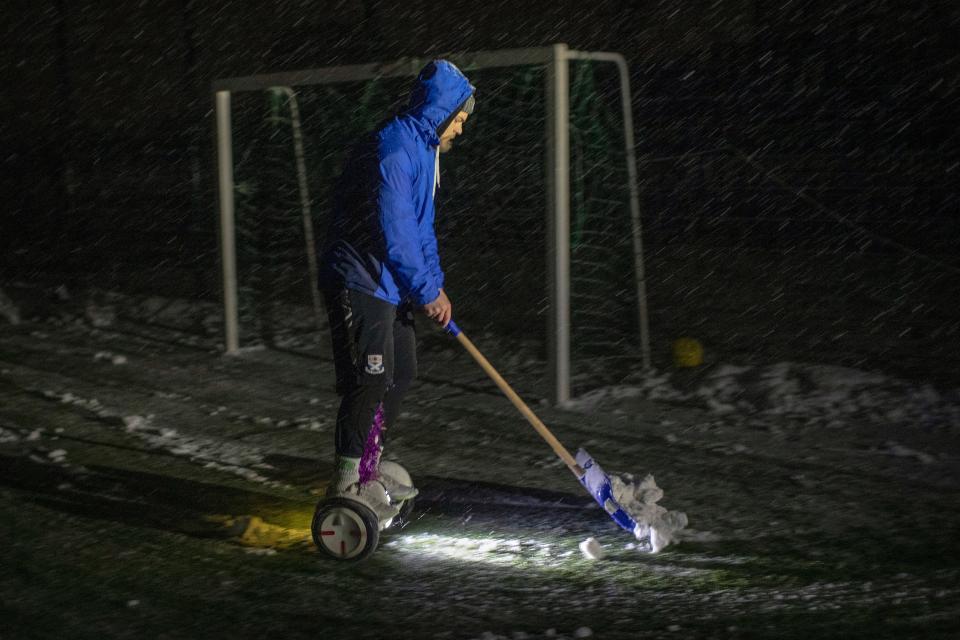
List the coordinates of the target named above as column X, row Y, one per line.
column 436, row 171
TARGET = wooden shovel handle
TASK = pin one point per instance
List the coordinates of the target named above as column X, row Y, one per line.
column 531, row 417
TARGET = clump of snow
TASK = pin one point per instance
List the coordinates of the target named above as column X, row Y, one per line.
column 8, row 309
column 313, row 424
column 133, row 423
column 91, row 404
column 113, row 358
column 656, row 525
column 591, row 549
column 264, row 551
column 100, row 315
column 896, row 449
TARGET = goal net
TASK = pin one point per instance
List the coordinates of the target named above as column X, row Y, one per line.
column 498, row 206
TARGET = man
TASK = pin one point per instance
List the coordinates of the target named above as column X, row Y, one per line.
column 380, row 264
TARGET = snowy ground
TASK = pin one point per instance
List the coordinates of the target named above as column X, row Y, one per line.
column 150, row 487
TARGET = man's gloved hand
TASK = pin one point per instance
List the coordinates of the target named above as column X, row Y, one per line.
column 440, row 310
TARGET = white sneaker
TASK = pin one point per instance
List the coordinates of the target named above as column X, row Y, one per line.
column 397, row 490
column 374, row 495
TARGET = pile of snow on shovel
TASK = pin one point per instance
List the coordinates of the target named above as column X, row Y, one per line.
column 656, row 526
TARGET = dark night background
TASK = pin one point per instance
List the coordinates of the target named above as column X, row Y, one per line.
column 108, row 160
column 798, row 171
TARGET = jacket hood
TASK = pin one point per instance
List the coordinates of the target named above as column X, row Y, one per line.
column 439, row 89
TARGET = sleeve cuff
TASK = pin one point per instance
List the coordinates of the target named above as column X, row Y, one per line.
column 420, row 299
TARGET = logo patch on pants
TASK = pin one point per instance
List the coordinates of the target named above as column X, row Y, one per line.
column 374, row 364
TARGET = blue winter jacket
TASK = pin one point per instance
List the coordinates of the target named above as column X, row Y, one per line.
column 381, row 240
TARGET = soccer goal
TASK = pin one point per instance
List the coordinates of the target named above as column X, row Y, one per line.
column 538, row 216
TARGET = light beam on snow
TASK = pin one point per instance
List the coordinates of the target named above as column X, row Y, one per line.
column 496, row 551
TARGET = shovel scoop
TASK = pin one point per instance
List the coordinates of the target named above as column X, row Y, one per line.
column 597, row 483
column 584, row 467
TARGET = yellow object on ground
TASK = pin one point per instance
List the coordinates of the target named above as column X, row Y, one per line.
column 687, row 352
column 253, row 531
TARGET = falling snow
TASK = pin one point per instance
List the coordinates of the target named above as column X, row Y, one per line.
column 797, row 191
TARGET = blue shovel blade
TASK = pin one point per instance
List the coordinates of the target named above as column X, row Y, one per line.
column 598, row 484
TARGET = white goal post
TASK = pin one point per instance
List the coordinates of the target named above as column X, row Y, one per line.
column 555, row 60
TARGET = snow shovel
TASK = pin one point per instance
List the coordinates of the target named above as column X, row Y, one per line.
column 586, row 470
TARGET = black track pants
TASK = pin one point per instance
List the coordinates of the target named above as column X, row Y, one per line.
column 375, row 355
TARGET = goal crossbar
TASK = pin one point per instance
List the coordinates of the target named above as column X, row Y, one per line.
column 404, row 67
